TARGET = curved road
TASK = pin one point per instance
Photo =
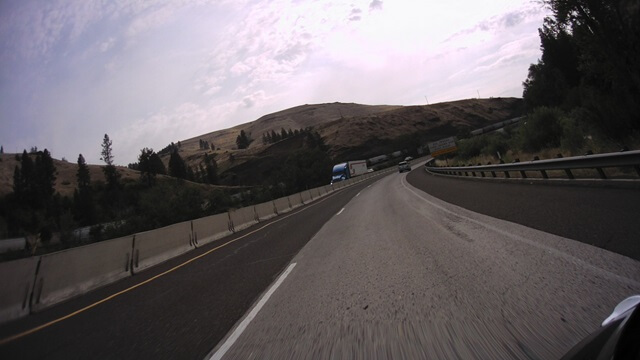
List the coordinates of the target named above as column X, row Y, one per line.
column 401, row 274
column 382, row 270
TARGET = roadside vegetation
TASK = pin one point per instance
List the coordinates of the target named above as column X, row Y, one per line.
column 582, row 95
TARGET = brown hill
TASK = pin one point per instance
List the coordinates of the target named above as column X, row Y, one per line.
column 66, row 171
column 349, row 130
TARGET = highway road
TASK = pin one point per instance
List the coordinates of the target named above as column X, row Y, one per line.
column 401, row 274
column 382, row 269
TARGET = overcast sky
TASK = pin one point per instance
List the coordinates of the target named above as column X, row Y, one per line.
column 148, row 73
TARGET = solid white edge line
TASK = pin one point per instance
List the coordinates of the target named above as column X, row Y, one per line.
column 222, row 350
column 340, row 212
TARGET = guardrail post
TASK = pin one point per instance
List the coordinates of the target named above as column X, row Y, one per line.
column 506, row 173
column 473, row 173
column 544, row 173
column 493, row 173
column 600, row 171
column 522, row 173
column 567, row 171
column 481, row 172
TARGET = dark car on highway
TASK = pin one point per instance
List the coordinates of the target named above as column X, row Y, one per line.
column 404, row 166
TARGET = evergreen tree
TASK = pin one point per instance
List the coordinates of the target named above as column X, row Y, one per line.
column 211, row 169
column 177, row 167
column 82, row 175
column 157, row 166
column 283, row 133
column 83, row 195
column 147, row 172
column 243, row 141
column 110, row 172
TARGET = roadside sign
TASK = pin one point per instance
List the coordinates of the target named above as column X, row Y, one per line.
column 443, row 146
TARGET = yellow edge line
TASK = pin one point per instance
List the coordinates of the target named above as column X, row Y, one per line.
column 43, row 326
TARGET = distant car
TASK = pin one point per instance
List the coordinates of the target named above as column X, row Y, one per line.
column 617, row 338
column 408, row 158
column 404, row 166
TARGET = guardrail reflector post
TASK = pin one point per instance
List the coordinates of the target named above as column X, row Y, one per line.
column 493, row 173
column 522, row 173
column 544, row 173
column 600, row 171
column 567, row 171
column 481, row 172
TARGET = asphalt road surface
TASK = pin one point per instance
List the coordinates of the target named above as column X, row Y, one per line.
column 601, row 216
column 401, row 274
column 183, row 314
column 381, row 271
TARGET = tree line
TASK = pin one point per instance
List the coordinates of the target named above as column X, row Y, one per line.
column 588, row 71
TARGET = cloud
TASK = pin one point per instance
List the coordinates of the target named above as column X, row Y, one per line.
column 355, row 14
column 502, row 22
column 375, row 5
column 107, row 45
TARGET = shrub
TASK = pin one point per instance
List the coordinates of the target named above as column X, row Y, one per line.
column 540, row 130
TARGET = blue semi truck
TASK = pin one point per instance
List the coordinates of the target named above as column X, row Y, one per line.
column 347, row 170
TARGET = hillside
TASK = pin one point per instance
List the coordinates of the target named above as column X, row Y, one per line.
column 66, row 181
column 349, row 130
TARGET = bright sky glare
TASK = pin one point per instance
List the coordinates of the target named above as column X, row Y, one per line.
column 151, row 72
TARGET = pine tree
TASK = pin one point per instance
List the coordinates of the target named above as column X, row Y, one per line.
column 110, row 172
column 83, row 194
column 146, row 171
column 177, row 167
column 243, row 140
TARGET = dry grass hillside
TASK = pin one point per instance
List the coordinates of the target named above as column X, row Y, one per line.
column 349, row 130
column 65, row 175
column 371, row 135
column 353, row 130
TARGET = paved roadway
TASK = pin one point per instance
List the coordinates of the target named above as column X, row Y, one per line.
column 601, row 216
column 401, row 274
column 183, row 314
column 384, row 271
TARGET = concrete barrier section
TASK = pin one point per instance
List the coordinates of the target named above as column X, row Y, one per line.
column 306, row 197
column 155, row 246
column 265, row 210
column 68, row 273
column 295, row 200
column 243, row 218
column 322, row 191
column 211, row 228
column 16, row 282
column 282, row 205
column 328, row 189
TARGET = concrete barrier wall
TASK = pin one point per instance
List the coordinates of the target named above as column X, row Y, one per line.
column 282, row 205
column 295, row 200
column 68, row 273
column 211, row 228
column 265, row 210
column 243, row 218
column 328, row 189
column 322, row 191
column 16, row 282
column 155, row 246
column 306, row 197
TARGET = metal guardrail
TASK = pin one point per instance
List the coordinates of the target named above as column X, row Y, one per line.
column 589, row 161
